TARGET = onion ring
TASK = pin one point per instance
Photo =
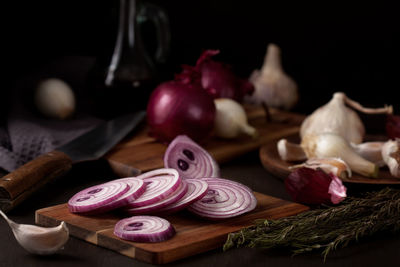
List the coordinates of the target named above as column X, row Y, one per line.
column 224, row 199
column 189, row 159
column 160, row 184
column 96, row 196
column 197, row 189
column 144, row 229
column 174, row 197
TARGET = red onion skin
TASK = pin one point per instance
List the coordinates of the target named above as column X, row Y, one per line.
column 175, row 108
column 309, row 186
column 393, row 126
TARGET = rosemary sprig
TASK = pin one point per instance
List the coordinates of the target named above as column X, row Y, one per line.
column 327, row 228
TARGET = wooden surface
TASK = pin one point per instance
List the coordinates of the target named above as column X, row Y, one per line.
column 272, row 162
column 140, row 153
column 193, row 235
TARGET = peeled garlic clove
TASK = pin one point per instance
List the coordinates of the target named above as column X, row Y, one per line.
column 54, row 98
column 332, row 145
column 391, row 156
column 290, row 151
column 272, row 85
column 231, row 119
column 335, row 117
column 371, row 151
column 39, row 240
column 336, row 166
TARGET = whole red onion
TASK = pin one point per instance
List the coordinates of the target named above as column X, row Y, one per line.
column 215, row 77
column 393, row 126
column 176, row 108
column 309, row 186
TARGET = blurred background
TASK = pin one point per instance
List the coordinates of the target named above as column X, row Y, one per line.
column 326, row 47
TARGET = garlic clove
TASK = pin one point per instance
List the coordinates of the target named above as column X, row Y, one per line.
column 332, row 145
column 391, row 156
column 55, row 99
column 231, row 119
column 272, row 85
column 371, row 151
column 335, row 117
column 39, row 240
column 290, row 151
column 329, row 165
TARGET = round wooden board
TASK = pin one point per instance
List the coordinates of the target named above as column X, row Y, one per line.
column 272, row 162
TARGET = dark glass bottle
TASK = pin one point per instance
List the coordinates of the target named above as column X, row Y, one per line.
column 123, row 81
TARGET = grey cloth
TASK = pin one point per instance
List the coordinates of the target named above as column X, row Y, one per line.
column 27, row 136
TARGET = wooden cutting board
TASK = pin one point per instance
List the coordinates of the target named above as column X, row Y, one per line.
column 193, row 235
column 139, row 152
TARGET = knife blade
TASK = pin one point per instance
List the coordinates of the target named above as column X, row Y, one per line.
column 21, row 183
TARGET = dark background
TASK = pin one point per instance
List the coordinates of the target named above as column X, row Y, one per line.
column 325, row 47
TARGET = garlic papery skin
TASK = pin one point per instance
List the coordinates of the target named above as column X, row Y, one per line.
column 391, row 156
column 39, row 240
column 371, row 151
column 290, row 151
column 272, row 85
column 336, row 166
column 332, row 145
column 335, row 117
column 55, row 99
column 231, row 119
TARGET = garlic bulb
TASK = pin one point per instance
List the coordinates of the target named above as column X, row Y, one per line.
column 54, row 98
column 334, row 117
column 371, row 151
column 329, row 165
column 391, row 156
column 327, row 145
column 231, row 119
column 289, row 151
column 39, row 240
column 272, row 85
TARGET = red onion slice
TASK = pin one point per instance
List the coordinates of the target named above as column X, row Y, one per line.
column 160, row 183
column 224, row 199
column 174, row 197
column 137, row 188
column 190, row 159
column 96, row 196
column 197, row 189
column 144, row 229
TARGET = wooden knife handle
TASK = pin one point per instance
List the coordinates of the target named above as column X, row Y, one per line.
column 22, row 182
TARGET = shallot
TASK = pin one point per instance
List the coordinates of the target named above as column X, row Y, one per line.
column 215, row 77
column 309, row 186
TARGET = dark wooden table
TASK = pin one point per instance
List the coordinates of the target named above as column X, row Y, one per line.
column 381, row 250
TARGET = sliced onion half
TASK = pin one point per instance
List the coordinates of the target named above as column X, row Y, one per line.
column 224, row 199
column 96, row 196
column 144, row 229
column 137, row 188
column 190, row 159
column 197, row 189
column 174, row 197
column 160, row 184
